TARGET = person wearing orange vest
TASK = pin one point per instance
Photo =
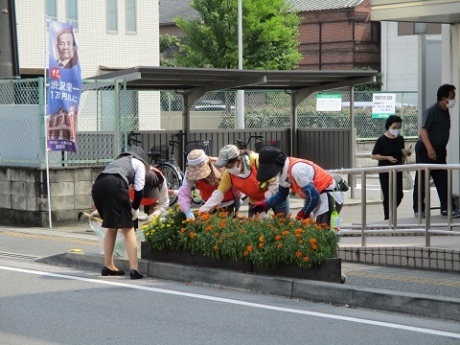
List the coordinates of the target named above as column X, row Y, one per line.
column 155, row 198
column 204, row 176
column 240, row 174
column 306, row 179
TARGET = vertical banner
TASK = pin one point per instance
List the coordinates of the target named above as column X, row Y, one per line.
column 64, row 88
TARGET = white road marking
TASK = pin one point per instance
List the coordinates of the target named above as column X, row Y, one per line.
column 242, row 303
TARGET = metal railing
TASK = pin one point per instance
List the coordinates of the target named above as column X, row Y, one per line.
column 428, row 228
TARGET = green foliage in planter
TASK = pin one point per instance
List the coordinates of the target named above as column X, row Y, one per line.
column 266, row 242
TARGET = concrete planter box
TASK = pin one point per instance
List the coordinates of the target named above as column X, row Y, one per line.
column 329, row 271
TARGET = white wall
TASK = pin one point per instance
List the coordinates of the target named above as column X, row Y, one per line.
column 399, row 59
column 96, row 47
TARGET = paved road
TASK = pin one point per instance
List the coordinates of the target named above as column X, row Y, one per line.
column 44, row 304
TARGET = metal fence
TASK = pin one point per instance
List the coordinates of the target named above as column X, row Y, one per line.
column 108, row 112
column 270, row 109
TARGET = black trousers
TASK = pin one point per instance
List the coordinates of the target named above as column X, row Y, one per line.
column 385, row 186
column 439, row 177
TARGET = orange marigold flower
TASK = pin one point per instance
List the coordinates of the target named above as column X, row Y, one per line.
column 313, row 241
column 298, row 235
column 249, row 248
column 242, row 231
column 298, row 231
column 291, row 224
column 208, row 228
column 285, row 233
column 299, row 254
column 216, row 234
column 278, row 237
column 246, row 253
column 306, row 259
column 261, row 244
column 182, row 230
column 204, row 216
column 222, row 224
column 279, row 245
column 192, row 235
column 314, row 247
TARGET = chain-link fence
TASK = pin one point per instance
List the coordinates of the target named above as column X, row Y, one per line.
column 108, row 112
column 272, row 109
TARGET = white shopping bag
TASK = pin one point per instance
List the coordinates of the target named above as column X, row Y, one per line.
column 119, row 250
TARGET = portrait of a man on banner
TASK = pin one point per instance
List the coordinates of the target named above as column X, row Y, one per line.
column 64, row 88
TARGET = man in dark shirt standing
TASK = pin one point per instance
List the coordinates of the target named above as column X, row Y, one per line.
column 431, row 148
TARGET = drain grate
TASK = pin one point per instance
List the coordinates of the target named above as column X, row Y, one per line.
column 19, row 256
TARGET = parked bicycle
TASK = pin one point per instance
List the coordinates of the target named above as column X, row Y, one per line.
column 259, row 143
column 163, row 159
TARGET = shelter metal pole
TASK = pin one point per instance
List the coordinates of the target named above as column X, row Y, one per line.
column 240, row 93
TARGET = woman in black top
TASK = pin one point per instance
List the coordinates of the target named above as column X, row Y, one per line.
column 389, row 150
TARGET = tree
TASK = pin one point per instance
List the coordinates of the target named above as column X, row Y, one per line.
column 168, row 44
column 270, row 31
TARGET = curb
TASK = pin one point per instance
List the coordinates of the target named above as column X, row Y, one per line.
column 379, row 299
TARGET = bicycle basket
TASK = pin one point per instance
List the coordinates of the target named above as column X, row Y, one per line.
column 159, row 152
column 205, row 145
column 274, row 143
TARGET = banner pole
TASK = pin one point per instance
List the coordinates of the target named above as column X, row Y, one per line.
column 45, row 92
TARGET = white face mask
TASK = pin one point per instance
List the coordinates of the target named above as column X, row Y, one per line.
column 394, row 132
column 450, row 103
column 235, row 170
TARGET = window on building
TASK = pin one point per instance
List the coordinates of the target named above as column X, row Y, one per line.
column 409, row 28
column 51, row 9
column 112, row 15
column 131, row 18
column 72, row 12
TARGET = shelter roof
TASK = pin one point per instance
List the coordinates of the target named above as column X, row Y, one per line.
column 208, row 79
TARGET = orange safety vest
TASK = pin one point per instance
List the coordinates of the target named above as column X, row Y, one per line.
column 321, row 180
column 146, row 201
column 249, row 185
column 206, row 190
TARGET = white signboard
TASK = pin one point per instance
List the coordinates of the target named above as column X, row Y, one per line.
column 328, row 102
column 383, row 105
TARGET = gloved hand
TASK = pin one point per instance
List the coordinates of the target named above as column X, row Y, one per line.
column 302, row 215
column 152, row 216
column 134, row 213
column 189, row 214
column 257, row 207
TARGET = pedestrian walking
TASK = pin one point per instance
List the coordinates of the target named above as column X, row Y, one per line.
column 389, row 150
column 431, row 148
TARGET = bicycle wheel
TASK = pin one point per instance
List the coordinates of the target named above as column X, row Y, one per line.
column 173, row 179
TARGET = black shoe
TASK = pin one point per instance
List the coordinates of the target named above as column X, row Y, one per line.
column 108, row 272
column 135, row 274
column 455, row 213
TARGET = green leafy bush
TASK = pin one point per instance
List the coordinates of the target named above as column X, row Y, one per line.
column 266, row 242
